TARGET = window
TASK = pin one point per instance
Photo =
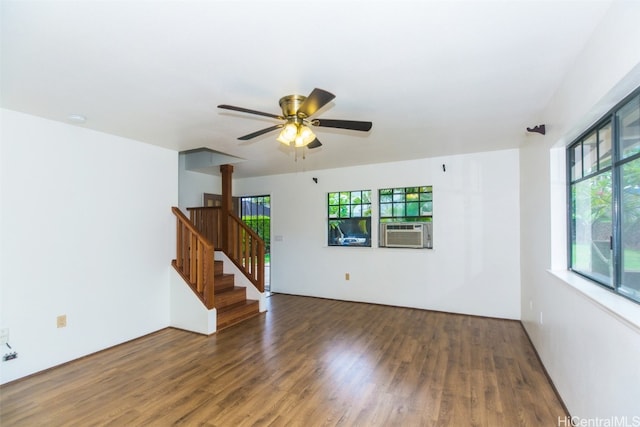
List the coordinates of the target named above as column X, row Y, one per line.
column 408, row 204
column 604, row 201
column 349, row 216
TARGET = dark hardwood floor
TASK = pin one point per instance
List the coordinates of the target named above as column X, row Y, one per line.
column 306, row 362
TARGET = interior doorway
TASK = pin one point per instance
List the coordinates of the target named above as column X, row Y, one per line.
column 215, row 200
column 255, row 211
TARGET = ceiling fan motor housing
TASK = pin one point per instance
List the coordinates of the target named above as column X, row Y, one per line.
column 290, row 104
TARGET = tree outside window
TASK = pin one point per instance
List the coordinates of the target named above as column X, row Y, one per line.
column 349, row 218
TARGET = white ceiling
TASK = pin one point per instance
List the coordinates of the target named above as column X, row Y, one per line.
column 434, row 77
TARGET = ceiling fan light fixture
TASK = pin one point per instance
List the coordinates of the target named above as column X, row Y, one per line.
column 305, row 136
column 288, row 133
column 281, row 138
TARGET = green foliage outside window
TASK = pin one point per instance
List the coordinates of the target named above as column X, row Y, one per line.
column 349, row 215
column 604, row 201
column 406, row 204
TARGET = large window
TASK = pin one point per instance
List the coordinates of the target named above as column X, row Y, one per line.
column 604, row 201
column 349, row 215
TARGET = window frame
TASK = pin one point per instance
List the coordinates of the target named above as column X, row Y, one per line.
column 382, row 218
column 350, row 206
column 614, row 165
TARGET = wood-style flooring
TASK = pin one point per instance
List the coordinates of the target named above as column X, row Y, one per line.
column 306, row 362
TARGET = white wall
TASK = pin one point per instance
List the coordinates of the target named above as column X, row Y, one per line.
column 193, row 185
column 474, row 267
column 589, row 351
column 86, row 232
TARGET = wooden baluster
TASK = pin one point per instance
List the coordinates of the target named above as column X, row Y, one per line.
column 179, row 231
column 200, row 267
column 193, row 248
column 261, row 267
column 208, row 274
column 185, row 251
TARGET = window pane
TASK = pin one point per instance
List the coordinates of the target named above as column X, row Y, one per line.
column 629, row 128
column 356, row 210
column 576, row 162
column 630, row 209
column 426, row 208
column 426, row 196
column 350, row 232
column 344, row 211
column 398, row 198
column 604, row 146
column 411, row 197
column 590, row 154
column 366, row 196
column 398, row 209
column 366, row 209
column 386, row 209
column 333, row 211
column 591, row 226
column 356, row 197
column 385, row 198
column 345, row 196
column 334, row 198
column 335, row 233
column 412, row 209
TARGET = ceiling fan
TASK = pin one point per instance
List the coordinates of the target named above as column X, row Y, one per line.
column 296, row 115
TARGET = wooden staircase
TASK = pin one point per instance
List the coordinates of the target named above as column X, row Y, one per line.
column 218, row 228
column 231, row 301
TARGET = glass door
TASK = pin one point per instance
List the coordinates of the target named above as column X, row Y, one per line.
column 255, row 211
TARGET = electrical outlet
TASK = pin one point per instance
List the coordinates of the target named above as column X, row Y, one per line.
column 4, row 336
column 346, row 276
column 61, row 321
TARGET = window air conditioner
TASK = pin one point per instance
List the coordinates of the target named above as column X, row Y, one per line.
column 406, row 235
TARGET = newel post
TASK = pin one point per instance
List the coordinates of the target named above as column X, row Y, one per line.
column 227, row 204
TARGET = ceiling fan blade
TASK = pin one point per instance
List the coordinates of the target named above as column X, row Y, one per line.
column 246, row 110
column 260, row 132
column 314, row 144
column 317, row 99
column 343, row 124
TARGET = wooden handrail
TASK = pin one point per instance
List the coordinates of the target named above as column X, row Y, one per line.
column 194, row 258
column 243, row 245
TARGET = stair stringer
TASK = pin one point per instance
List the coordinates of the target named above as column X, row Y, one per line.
column 241, row 280
column 187, row 310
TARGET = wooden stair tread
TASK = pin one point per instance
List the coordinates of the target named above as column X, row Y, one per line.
column 229, row 296
column 243, row 304
column 235, row 313
column 231, row 301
